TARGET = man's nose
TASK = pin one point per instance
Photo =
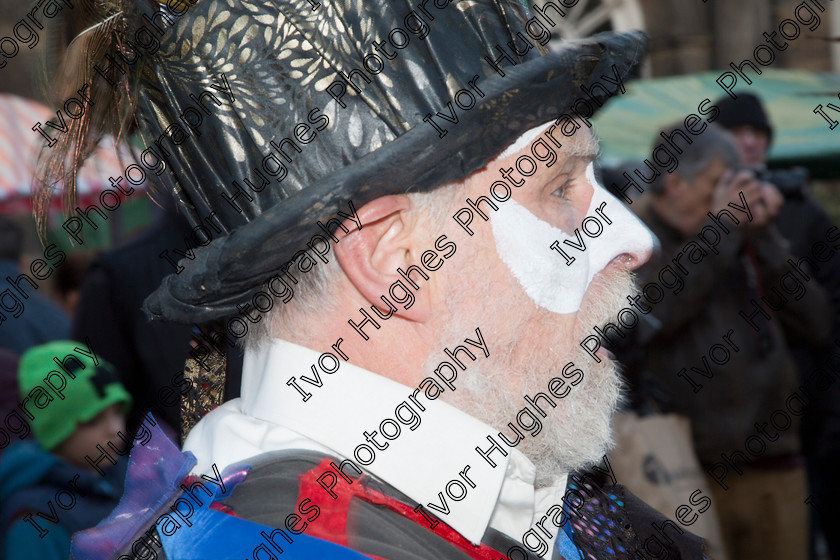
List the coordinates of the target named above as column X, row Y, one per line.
column 634, row 258
column 627, row 240
column 629, row 243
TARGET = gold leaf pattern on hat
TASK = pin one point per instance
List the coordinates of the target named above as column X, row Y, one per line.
column 207, row 392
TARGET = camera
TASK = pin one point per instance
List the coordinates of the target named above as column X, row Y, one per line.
column 790, row 182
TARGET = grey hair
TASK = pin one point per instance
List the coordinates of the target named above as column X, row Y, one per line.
column 314, row 295
column 714, row 142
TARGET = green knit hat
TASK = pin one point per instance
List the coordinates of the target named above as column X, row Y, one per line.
column 64, row 384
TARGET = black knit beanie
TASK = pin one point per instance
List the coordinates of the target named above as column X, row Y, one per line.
column 746, row 109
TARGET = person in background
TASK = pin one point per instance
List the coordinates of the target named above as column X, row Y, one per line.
column 65, row 431
column 761, row 500
column 38, row 319
column 8, row 386
column 69, row 278
column 149, row 355
column 806, row 225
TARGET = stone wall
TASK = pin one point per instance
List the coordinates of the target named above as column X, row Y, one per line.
column 691, row 36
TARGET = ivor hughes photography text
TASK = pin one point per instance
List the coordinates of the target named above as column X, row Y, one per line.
column 440, row 279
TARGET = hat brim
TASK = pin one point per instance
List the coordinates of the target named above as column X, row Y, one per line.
column 231, row 270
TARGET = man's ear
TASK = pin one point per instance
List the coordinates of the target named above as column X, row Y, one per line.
column 371, row 255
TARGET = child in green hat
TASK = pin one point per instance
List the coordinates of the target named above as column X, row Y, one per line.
column 71, row 476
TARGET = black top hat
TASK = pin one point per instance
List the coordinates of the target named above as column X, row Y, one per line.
column 329, row 102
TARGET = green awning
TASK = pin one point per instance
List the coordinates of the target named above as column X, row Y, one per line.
column 628, row 124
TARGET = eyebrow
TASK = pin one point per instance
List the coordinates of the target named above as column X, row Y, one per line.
column 588, row 149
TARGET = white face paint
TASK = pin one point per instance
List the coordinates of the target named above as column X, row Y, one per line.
column 523, row 242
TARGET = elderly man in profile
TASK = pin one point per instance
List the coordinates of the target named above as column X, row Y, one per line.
column 421, row 392
column 484, row 311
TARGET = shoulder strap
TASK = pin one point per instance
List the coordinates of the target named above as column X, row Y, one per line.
column 311, row 492
column 335, row 527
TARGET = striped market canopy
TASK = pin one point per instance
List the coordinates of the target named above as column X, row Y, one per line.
column 20, row 147
column 628, row 124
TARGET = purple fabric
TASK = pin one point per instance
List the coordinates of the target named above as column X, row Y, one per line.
column 155, row 470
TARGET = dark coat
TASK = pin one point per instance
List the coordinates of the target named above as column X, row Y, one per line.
column 30, row 477
column 729, row 396
column 40, row 322
column 146, row 354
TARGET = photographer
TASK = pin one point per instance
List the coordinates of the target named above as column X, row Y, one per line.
column 805, row 224
column 761, row 502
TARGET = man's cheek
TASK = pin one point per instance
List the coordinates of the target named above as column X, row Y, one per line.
column 524, row 243
column 555, row 268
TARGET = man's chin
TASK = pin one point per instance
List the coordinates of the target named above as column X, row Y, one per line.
column 584, row 433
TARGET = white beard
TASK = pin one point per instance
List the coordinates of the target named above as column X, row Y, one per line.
column 525, row 353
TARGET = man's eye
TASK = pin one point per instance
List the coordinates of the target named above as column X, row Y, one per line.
column 561, row 191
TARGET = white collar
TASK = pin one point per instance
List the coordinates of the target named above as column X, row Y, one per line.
column 418, row 463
